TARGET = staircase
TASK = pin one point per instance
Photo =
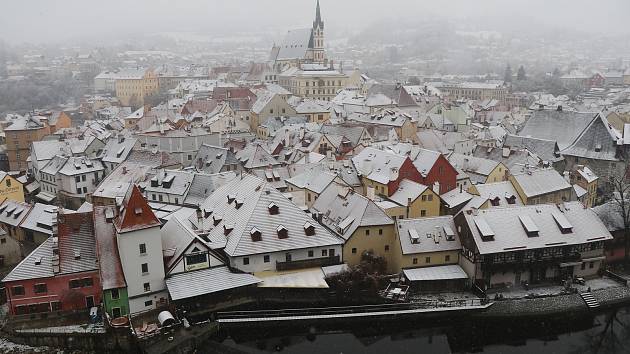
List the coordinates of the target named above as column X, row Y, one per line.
column 590, row 300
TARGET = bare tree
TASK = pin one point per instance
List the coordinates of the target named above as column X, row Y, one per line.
column 621, row 198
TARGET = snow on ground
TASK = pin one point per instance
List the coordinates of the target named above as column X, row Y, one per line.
column 549, row 290
column 83, row 328
column 7, row 346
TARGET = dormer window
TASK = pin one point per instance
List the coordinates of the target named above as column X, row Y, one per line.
column 495, row 201
column 207, row 212
column 239, row 203
column 227, row 229
column 282, row 232
column 230, row 198
column 77, row 254
column 255, row 234
column 216, row 220
column 511, row 199
column 138, row 211
column 273, row 209
column 309, row 229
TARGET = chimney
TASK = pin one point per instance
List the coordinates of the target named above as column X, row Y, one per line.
column 566, row 176
column 436, row 188
column 287, row 137
column 393, row 174
column 370, row 193
column 124, row 170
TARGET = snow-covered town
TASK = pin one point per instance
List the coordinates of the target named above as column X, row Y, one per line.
column 270, row 189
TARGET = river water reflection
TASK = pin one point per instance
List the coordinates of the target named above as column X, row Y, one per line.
column 605, row 333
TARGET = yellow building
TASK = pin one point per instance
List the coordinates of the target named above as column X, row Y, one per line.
column 585, row 182
column 541, row 187
column 416, row 199
column 134, row 85
column 315, row 111
column 365, row 227
column 426, row 242
column 478, row 169
column 10, row 188
column 314, row 81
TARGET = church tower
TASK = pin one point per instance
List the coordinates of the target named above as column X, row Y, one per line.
column 318, row 37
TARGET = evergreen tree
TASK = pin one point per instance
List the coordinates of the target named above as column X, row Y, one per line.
column 520, row 75
column 508, row 74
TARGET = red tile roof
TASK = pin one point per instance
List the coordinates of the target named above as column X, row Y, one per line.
column 135, row 214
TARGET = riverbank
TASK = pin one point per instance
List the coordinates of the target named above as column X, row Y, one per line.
column 557, row 304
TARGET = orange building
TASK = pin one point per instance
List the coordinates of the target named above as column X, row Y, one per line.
column 19, row 136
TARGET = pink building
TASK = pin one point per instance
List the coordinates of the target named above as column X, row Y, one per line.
column 59, row 275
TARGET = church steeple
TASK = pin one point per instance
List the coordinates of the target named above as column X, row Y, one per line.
column 318, row 18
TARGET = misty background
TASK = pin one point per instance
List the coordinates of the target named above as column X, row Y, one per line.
column 44, row 21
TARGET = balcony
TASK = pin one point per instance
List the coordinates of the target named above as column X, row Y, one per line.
column 308, row 263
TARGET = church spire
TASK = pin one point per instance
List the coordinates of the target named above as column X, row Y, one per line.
column 318, row 18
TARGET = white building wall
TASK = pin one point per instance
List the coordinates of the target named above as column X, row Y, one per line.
column 257, row 263
column 132, row 260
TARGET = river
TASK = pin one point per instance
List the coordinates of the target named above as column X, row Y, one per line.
column 607, row 332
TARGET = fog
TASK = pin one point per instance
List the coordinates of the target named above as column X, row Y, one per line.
column 45, row 21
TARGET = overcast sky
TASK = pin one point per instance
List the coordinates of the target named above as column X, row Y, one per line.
column 59, row 21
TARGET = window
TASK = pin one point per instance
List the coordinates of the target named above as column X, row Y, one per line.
column 424, row 198
column 583, row 266
column 145, row 268
column 17, row 290
column 8, row 182
column 3, row 240
column 271, row 110
column 386, row 248
column 143, row 248
column 430, row 197
column 74, row 284
column 115, row 294
column 310, row 253
column 354, row 250
column 423, row 213
column 427, row 260
column 324, row 253
column 78, row 190
column 246, row 261
column 55, row 306
column 84, row 189
column 415, row 261
column 77, row 179
column 148, row 303
column 147, row 287
column 380, row 231
column 196, row 258
column 266, row 258
column 189, row 157
column 160, row 198
column 87, row 282
column 83, row 178
column 447, row 258
column 367, row 232
column 591, row 265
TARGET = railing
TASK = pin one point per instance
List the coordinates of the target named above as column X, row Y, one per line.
column 308, row 263
column 322, row 311
column 616, row 277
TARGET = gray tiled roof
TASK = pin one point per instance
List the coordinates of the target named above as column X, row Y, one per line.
column 547, row 150
column 377, row 164
column 597, row 141
column 539, row 182
column 563, row 127
column 256, row 195
column 204, row 184
column 206, row 281
column 431, row 234
column 509, row 234
column 211, row 159
column 344, row 211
